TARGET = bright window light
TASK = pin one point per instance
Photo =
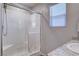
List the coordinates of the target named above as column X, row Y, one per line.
column 58, row 15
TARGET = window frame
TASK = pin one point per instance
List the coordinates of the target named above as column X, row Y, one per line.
column 50, row 16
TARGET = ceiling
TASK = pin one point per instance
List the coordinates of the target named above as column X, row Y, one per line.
column 32, row 5
column 29, row 5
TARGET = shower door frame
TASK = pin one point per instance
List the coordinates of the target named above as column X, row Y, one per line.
column 1, row 28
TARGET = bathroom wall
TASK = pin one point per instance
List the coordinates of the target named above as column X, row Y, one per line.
column 52, row 38
column 0, row 26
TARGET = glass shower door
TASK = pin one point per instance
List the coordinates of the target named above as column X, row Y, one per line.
column 15, row 37
column 34, row 33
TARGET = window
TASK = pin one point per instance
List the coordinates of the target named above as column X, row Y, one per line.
column 58, row 15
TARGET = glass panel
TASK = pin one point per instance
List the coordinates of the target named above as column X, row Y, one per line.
column 58, row 21
column 58, row 9
column 58, row 15
column 15, row 42
column 34, row 33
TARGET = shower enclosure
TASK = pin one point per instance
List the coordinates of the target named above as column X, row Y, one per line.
column 19, row 30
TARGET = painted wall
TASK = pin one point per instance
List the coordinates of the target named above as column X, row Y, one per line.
column 52, row 38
